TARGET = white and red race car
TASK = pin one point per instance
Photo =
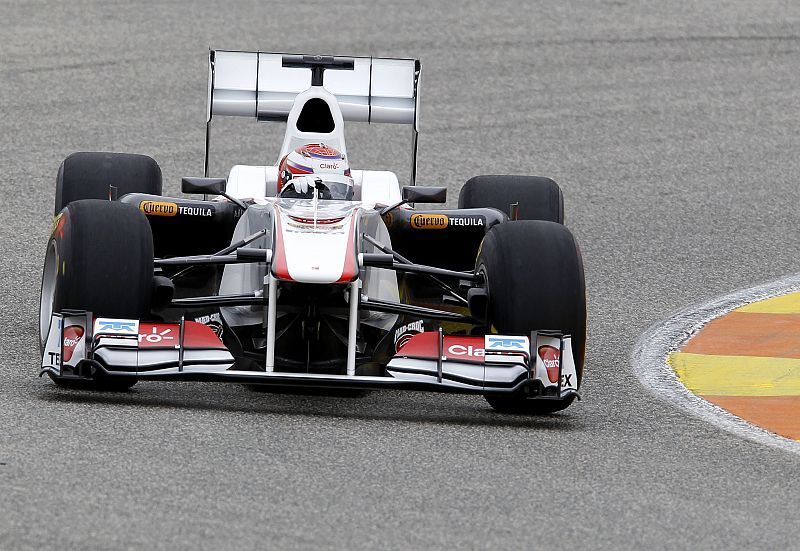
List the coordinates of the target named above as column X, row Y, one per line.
column 277, row 279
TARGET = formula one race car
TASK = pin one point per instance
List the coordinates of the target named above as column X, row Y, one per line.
column 308, row 273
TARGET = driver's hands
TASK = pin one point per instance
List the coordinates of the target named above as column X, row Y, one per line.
column 301, row 184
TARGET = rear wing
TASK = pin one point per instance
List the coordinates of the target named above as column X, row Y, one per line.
column 264, row 86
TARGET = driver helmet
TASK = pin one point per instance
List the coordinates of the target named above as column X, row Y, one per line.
column 319, row 160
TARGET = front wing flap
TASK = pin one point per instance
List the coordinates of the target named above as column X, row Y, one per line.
column 541, row 365
column 127, row 347
column 81, row 346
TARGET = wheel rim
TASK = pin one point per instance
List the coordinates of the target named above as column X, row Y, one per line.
column 47, row 300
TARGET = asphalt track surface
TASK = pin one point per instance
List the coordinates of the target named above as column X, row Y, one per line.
column 673, row 131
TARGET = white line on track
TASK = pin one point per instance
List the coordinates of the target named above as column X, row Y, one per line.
column 649, row 359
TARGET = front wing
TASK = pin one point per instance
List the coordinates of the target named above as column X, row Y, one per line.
column 79, row 346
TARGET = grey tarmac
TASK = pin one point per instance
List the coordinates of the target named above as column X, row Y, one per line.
column 673, row 130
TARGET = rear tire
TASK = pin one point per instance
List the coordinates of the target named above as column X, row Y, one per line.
column 87, row 175
column 99, row 259
column 534, row 274
column 539, row 198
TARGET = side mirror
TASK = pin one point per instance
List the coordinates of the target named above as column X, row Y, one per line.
column 209, row 186
column 424, row 194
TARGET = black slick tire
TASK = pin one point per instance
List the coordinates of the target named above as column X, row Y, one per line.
column 535, row 278
column 99, row 259
column 538, row 198
column 88, row 175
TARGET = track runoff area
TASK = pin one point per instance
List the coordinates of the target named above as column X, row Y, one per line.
column 734, row 361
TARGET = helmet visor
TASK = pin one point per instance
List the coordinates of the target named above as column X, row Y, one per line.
column 339, row 186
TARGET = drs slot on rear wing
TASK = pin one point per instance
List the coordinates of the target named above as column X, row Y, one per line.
column 264, row 86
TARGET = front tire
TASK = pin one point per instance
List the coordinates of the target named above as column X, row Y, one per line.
column 99, row 259
column 534, row 274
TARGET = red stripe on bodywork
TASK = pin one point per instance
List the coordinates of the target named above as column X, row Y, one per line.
column 319, row 221
column 350, row 269
column 280, row 267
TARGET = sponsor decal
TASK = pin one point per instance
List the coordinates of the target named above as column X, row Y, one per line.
column 403, row 334
column 467, row 221
column 551, row 358
column 506, row 343
column 206, row 319
column 52, row 355
column 164, row 208
column 157, row 335
column 429, row 221
column 466, row 350
column 426, row 345
column 216, row 327
column 158, row 208
column 331, row 166
column 505, row 348
column 116, row 326
column 214, row 323
column 72, row 336
column 167, row 335
column 195, row 211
